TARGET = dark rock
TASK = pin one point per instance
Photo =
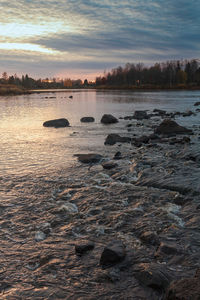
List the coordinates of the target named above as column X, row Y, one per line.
column 197, row 104
column 109, row 165
column 70, row 97
column 117, row 155
column 140, row 115
column 153, row 275
column 56, row 123
column 89, row 158
column 83, row 247
column 184, row 289
column 149, row 237
column 112, row 254
column 115, row 138
column 171, row 127
column 87, row 119
column 187, row 114
column 167, row 249
column 108, row 119
column 139, row 141
column 159, row 112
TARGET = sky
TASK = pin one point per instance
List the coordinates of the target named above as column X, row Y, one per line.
column 82, row 39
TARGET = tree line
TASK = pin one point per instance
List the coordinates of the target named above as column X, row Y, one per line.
column 176, row 73
column 48, row 83
column 170, row 74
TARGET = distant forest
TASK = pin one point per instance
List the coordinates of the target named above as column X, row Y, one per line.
column 170, row 74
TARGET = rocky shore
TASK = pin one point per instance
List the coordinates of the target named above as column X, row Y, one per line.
column 124, row 224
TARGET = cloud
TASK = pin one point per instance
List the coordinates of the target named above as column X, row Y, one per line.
column 98, row 35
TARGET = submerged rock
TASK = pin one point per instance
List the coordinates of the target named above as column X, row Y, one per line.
column 115, row 138
column 153, row 275
column 112, row 254
column 56, row 123
column 87, row 119
column 197, row 104
column 117, row 155
column 89, row 158
column 184, row 289
column 171, row 127
column 108, row 119
column 40, row 236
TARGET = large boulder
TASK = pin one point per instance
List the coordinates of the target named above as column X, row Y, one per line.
column 115, row 138
column 170, row 127
column 108, row 119
column 87, row 119
column 56, row 123
column 89, row 158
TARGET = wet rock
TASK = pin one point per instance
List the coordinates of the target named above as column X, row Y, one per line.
column 115, row 138
column 184, row 289
column 140, row 115
column 109, row 165
column 150, row 237
column 89, row 158
column 108, row 119
column 153, row 275
column 117, row 155
column 187, row 113
column 112, row 254
column 197, row 104
column 83, row 247
column 87, row 119
column 139, row 141
column 167, row 248
column 171, row 127
column 159, row 112
column 56, row 123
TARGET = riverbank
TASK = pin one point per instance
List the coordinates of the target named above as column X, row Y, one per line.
column 11, row 90
column 148, row 200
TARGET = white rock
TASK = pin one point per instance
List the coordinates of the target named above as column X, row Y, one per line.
column 40, row 236
column 69, row 207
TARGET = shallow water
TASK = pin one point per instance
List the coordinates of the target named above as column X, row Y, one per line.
column 26, row 146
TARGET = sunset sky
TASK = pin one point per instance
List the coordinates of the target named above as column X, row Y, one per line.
column 81, row 39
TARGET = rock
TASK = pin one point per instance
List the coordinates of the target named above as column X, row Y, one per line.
column 108, row 119
column 83, row 247
column 117, row 155
column 87, row 119
column 109, row 165
column 153, row 275
column 184, row 289
column 140, row 115
column 112, row 254
column 115, row 138
column 149, row 237
column 197, row 104
column 171, row 127
column 159, row 112
column 89, row 158
column 167, row 249
column 57, row 123
column 40, row 236
column 187, row 113
column 71, row 97
column 139, row 141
